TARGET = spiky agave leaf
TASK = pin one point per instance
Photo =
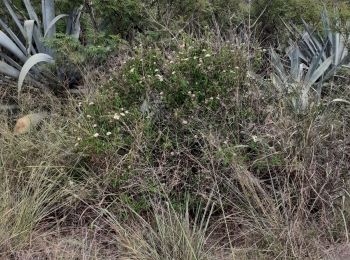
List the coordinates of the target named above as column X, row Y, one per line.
column 10, row 61
column 73, row 24
column 53, row 23
column 294, row 57
column 31, row 12
column 316, row 62
column 32, row 61
column 29, row 28
column 8, row 70
column 37, row 35
column 48, row 13
column 8, row 44
column 14, row 16
column 277, row 63
column 320, row 71
column 13, row 36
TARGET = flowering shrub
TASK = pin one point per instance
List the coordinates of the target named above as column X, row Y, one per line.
column 159, row 107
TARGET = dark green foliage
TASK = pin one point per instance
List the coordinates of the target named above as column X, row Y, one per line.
column 121, row 17
column 272, row 15
column 196, row 16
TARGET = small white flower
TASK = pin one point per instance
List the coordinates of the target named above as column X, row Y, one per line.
column 116, row 116
column 132, row 70
column 236, row 67
column 156, row 70
column 80, row 104
column 172, row 153
column 88, row 116
column 160, row 77
column 173, row 73
column 207, row 55
column 196, row 136
column 122, row 114
column 184, row 122
column 76, row 144
column 79, row 139
column 94, row 126
column 108, row 133
column 126, row 112
column 96, row 135
column 161, row 93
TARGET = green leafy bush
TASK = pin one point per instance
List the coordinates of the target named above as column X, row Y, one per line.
column 165, row 103
column 196, row 16
column 272, row 13
column 121, row 17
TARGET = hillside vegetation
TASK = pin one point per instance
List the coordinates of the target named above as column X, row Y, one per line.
column 174, row 129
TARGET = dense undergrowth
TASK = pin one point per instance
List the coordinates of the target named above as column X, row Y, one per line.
column 179, row 146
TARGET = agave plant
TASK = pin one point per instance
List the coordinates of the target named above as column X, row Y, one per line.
column 23, row 47
column 313, row 59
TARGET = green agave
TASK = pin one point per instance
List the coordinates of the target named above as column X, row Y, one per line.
column 23, row 52
column 313, row 59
